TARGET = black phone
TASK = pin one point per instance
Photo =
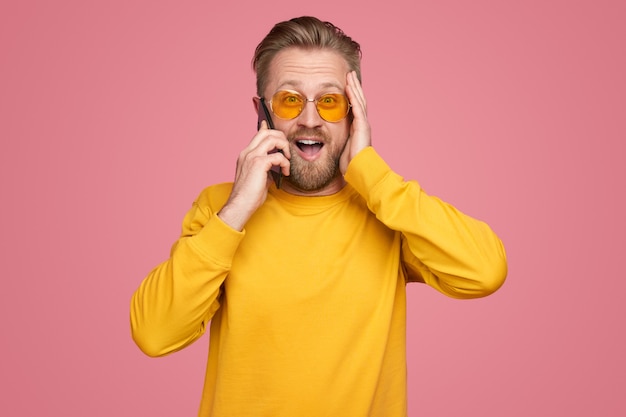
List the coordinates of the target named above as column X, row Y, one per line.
column 264, row 114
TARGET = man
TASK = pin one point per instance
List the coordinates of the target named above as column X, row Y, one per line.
column 304, row 285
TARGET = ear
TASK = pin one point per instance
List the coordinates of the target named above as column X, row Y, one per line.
column 256, row 102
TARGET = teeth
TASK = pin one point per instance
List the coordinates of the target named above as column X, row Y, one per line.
column 309, row 142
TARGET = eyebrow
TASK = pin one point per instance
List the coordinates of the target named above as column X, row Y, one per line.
column 295, row 84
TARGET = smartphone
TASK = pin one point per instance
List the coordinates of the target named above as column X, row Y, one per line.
column 264, row 114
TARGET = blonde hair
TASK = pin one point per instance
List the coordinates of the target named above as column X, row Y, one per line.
column 308, row 33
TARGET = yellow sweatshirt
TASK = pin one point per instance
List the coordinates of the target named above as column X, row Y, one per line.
column 307, row 304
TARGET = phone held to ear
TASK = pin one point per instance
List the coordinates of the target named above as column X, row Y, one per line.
column 264, row 114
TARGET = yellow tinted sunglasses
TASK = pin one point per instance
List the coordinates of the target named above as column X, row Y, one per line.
column 287, row 104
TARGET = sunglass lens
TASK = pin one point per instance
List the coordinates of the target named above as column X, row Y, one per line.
column 287, row 104
column 333, row 107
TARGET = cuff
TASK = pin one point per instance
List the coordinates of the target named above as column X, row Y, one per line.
column 217, row 241
column 366, row 170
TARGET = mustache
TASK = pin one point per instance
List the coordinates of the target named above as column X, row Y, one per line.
column 308, row 133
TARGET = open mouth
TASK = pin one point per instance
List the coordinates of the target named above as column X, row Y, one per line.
column 309, row 147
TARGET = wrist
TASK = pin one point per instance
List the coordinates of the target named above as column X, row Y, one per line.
column 233, row 217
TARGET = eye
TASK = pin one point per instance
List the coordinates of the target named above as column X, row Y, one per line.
column 291, row 99
column 329, row 101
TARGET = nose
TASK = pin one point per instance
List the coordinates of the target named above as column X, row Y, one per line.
column 309, row 116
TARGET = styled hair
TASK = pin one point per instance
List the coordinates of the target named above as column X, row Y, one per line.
column 304, row 32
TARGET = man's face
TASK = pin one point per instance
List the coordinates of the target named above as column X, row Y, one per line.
column 316, row 145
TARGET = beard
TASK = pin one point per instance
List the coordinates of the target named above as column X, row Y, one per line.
column 315, row 175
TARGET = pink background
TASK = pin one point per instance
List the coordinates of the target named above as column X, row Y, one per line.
column 115, row 114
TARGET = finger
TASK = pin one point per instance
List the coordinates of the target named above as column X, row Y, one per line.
column 275, row 162
column 357, row 84
column 268, row 160
column 279, row 160
column 263, row 132
column 360, row 94
column 275, row 145
column 268, row 141
column 285, row 150
column 357, row 90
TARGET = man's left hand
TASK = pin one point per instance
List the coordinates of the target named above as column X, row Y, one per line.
column 360, row 131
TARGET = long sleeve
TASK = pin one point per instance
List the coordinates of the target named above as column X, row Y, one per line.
column 448, row 250
column 175, row 302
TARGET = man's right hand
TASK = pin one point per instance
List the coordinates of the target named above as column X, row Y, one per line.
column 252, row 178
